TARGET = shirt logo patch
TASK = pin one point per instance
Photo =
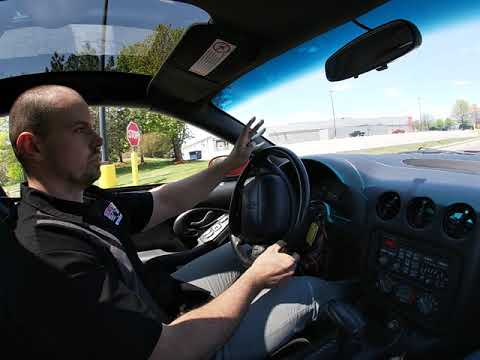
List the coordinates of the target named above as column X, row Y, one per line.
column 113, row 214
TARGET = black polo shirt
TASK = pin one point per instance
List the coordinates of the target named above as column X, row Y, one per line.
column 83, row 295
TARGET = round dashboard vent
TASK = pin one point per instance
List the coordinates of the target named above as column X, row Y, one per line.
column 459, row 220
column 420, row 212
column 388, row 205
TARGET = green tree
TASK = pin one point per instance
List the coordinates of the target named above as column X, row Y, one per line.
column 86, row 59
column 460, row 111
column 14, row 168
column 439, row 124
column 117, row 120
column 146, row 57
column 10, row 169
column 450, row 122
column 174, row 130
column 4, row 124
column 3, row 157
column 155, row 145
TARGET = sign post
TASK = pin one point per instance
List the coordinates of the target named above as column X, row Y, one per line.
column 133, row 137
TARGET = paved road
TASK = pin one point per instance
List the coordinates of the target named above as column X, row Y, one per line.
column 472, row 145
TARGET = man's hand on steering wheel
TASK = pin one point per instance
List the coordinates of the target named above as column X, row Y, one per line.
column 272, row 267
column 245, row 144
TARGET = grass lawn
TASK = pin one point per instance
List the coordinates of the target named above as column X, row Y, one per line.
column 408, row 147
column 155, row 171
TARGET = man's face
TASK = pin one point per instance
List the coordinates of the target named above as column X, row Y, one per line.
column 72, row 147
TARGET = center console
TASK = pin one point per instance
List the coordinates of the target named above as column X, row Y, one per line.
column 414, row 281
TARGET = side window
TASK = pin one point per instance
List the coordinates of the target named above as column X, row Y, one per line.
column 11, row 173
column 169, row 148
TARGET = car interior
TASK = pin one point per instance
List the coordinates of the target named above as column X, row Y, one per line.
column 402, row 227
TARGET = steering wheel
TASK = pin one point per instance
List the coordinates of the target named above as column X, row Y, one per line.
column 268, row 204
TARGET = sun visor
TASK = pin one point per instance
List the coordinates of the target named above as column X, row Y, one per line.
column 205, row 60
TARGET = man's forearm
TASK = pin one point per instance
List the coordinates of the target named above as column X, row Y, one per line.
column 174, row 198
column 209, row 327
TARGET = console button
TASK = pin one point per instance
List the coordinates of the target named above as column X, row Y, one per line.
column 383, row 260
column 386, row 284
column 442, row 264
column 426, row 304
column 405, row 294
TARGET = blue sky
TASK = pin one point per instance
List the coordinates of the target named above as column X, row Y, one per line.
column 444, row 68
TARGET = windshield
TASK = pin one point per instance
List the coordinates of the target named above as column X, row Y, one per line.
column 428, row 98
column 90, row 35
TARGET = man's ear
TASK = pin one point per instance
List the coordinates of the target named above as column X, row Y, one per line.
column 27, row 146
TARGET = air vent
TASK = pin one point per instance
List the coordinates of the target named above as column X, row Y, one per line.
column 420, row 212
column 388, row 205
column 459, row 220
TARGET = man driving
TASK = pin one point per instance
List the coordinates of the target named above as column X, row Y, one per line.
column 94, row 299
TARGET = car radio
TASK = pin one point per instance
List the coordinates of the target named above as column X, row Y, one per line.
column 421, row 282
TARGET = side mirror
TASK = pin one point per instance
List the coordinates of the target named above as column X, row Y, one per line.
column 233, row 173
column 373, row 50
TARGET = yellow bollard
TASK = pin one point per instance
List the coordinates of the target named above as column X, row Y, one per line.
column 134, row 160
column 108, row 176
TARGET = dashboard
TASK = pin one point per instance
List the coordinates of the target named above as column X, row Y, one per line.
column 416, row 231
column 325, row 186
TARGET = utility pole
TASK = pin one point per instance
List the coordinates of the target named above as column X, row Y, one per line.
column 422, row 125
column 101, row 113
column 334, row 119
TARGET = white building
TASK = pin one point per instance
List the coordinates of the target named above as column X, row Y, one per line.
column 209, row 146
column 205, row 148
column 344, row 127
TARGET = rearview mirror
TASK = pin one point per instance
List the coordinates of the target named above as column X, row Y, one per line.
column 373, row 50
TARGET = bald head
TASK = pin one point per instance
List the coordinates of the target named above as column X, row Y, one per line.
column 38, row 108
column 52, row 134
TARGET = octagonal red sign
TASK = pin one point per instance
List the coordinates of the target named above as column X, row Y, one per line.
column 133, row 133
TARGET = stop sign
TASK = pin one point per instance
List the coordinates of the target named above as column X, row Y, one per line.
column 133, row 133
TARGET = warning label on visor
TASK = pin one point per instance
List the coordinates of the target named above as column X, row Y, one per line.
column 213, row 57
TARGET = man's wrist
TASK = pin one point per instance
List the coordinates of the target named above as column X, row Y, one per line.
column 228, row 165
column 252, row 280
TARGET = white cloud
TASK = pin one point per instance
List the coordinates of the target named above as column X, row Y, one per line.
column 462, row 82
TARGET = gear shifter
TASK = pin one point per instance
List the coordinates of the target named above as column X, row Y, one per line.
column 353, row 342
column 346, row 318
column 351, row 325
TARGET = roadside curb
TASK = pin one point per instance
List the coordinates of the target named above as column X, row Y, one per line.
column 477, row 138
